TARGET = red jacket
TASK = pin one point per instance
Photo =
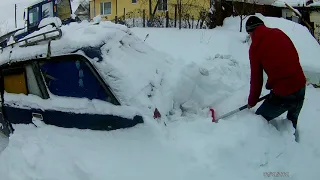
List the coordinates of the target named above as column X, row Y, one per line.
column 272, row 51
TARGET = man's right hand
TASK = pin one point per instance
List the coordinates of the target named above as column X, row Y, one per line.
column 268, row 87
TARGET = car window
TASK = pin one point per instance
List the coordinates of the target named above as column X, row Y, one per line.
column 72, row 77
column 47, row 10
column 21, row 80
column 34, row 16
column 15, row 81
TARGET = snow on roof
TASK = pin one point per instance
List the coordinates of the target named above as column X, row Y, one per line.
column 293, row 3
column 315, row 3
column 130, row 67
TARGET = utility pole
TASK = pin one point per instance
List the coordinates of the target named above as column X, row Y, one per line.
column 150, row 12
column 15, row 14
column 180, row 13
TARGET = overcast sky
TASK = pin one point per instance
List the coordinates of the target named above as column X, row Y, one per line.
column 7, row 21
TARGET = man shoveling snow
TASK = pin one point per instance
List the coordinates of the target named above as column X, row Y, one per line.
column 273, row 51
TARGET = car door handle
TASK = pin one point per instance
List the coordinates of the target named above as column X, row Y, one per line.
column 37, row 116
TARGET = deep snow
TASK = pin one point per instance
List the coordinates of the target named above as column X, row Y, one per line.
column 210, row 69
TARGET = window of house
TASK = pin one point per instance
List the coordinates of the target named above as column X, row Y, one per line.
column 163, row 5
column 105, row 8
column 73, row 78
column 134, row 1
column 47, row 10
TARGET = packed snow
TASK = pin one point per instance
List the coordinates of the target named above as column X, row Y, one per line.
column 50, row 20
column 187, row 71
column 294, row 3
column 68, row 104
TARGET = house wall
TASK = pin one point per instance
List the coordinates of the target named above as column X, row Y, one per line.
column 249, row 9
column 190, row 7
column 315, row 18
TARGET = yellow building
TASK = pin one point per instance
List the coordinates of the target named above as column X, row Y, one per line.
column 112, row 8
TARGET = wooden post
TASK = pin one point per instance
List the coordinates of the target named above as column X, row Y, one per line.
column 192, row 19
column 15, row 14
column 116, row 12
column 175, row 15
column 144, row 18
column 180, row 13
column 94, row 9
column 150, row 9
column 167, row 18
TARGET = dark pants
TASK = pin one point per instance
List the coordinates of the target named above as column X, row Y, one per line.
column 275, row 105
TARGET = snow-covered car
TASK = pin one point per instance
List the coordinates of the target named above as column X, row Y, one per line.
column 93, row 76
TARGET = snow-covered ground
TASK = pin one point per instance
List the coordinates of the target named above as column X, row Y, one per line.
column 211, row 69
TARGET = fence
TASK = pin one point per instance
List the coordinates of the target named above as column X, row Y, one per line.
column 190, row 16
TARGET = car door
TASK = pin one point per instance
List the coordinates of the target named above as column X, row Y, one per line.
column 21, row 93
column 74, row 87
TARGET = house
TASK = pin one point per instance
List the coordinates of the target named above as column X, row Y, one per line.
column 82, row 12
column 308, row 9
column 118, row 8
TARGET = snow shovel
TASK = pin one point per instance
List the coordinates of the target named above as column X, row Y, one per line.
column 234, row 111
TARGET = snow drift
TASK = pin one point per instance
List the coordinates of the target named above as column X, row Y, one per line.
column 211, row 68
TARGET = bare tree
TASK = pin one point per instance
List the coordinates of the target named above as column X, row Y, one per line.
column 216, row 13
column 248, row 7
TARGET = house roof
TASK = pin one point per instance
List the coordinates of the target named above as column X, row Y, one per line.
column 293, row 3
column 281, row 3
column 74, row 6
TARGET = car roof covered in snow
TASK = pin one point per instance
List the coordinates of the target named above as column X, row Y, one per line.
column 130, row 67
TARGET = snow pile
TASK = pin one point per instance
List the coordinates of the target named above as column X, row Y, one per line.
column 97, row 19
column 50, row 20
column 21, row 31
column 206, row 71
column 209, row 83
column 211, row 68
column 244, row 147
column 293, row 3
column 68, row 104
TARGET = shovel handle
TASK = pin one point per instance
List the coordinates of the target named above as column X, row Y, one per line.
column 240, row 109
column 246, row 106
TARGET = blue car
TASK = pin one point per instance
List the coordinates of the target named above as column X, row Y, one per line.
column 75, row 85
